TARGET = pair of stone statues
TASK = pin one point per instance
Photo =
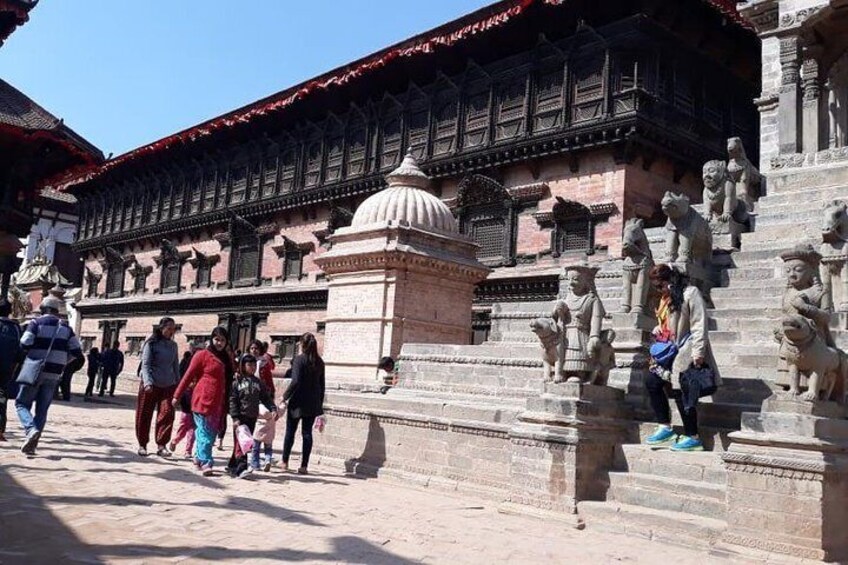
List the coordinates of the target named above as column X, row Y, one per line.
column 575, row 347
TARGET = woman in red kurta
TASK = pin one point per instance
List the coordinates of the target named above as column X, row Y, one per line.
column 207, row 375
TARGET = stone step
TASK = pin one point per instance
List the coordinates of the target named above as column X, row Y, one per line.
column 676, row 528
column 764, row 301
column 803, row 196
column 781, row 233
column 743, row 325
column 805, row 178
column 675, row 495
column 700, row 466
column 746, row 313
column 766, row 287
column 743, row 275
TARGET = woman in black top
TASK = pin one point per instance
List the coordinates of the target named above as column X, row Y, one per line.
column 304, row 399
column 93, row 367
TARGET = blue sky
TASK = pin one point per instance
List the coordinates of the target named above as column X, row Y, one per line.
column 123, row 73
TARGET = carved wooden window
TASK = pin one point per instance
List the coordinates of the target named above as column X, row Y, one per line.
column 204, row 275
column 155, row 205
column 140, row 280
column 179, row 198
column 390, row 139
column 445, row 121
column 115, row 279
column 418, row 124
column 97, row 217
column 293, row 265
column 126, row 217
column 629, row 73
column 588, row 89
column 288, row 170
column 170, row 276
column 314, row 156
column 167, row 201
column 335, row 157
column 196, row 195
column 573, row 228
column 238, row 184
column 111, row 331
column 269, row 176
column 210, row 183
column 285, row 346
column 254, row 180
column 245, row 259
column 138, row 206
column 684, row 96
column 511, row 109
column 92, row 281
column 487, row 214
column 147, row 205
column 476, row 131
column 111, row 206
column 357, row 144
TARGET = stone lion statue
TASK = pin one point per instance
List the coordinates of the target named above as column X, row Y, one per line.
column 637, row 263
column 689, row 240
column 743, row 174
column 833, row 268
column 826, row 368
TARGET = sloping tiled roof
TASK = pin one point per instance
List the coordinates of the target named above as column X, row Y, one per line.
column 13, row 13
column 446, row 35
column 19, row 111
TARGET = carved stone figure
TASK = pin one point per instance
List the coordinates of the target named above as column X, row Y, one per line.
column 21, row 303
column 605, row 358
column 746, row 178
column 726, row 214
column 803, row 296
column 806, row 353
column 689, row 241
column 548, row 332
column 834, row 252
column 580, row 315
column 637, row 263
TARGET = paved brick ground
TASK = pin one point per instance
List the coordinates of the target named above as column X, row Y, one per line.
column 88, row 498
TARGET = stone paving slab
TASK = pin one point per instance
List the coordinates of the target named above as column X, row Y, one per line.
column 87, row 498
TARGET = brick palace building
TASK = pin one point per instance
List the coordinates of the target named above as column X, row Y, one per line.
column 545, row 124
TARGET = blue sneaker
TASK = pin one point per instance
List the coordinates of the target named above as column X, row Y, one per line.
column 686, row 443
column 663, row 434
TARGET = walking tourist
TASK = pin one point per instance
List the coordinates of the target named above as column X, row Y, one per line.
column 208, row 373
column 186, row 427
column 222, row 425
column 682, row 326
column 266, row 425
column 112, row 361
column 68, row 375
column 304, row 398
column 247, row 394
column 10, row 346
column 264, row 364
column 160, row 373
column 92, row 370
column 49, row 344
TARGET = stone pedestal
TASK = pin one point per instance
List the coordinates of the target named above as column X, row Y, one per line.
column 727, row 236
column 632, row 341
column 787, row 479
column 563, row 446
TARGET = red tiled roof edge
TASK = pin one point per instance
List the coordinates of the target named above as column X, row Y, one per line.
column 411, row 47
column 21, row 12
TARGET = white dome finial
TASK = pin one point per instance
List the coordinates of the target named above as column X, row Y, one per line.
column 408, row 173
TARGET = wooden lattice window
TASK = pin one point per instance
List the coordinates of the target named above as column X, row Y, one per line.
column 288, row 170
column 356, row 148
column 335, row 157
column 445, row 124
column 171, row 276
column 140, row 281
column 574, row 229
column 115, row 280
column 210, row 183
column 138, row 207
column 238, row 184
column 285, row 346
column 476, row 119
column 246, row 261
column 418, row 125
column 204, row 275
column 254, row 180
column 511, row 109
column 588, row 89
column 126, row 216
column 293, row 265
column 390, row 139
column 630, row 72
column 684, row 96
column 179, row 199
column 312, row 175
column 487, row 214
column 196, row 195
column 269, row 177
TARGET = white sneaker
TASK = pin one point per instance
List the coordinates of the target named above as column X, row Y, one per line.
column 246, row 474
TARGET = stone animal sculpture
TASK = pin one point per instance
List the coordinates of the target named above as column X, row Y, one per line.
column 826, row 368
column 547, row 331
column 637, row 264
column 833, row 268
column 743, row 174
column 726, row 214
column 689, row 240
column 605, row 358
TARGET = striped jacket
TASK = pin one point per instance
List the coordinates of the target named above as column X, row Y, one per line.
column 36, row 342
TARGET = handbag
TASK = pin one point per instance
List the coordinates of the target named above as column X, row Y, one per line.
column 697, row 382
column 31, row 368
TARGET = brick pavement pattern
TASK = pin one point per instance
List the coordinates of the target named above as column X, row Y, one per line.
column 88, row 498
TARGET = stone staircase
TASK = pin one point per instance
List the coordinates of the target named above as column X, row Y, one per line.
column 681, row 497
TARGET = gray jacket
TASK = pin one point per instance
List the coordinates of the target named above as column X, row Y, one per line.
column 160, row 363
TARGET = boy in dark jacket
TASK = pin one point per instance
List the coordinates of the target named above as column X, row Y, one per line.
column 245, row 396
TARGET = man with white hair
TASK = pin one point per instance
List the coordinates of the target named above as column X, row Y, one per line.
column 50, row 339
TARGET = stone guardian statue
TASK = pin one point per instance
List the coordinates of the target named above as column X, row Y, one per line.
column 637, row 263
column 689, row 241
column 747, row 179
column 834, row 253
column 726, row 214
